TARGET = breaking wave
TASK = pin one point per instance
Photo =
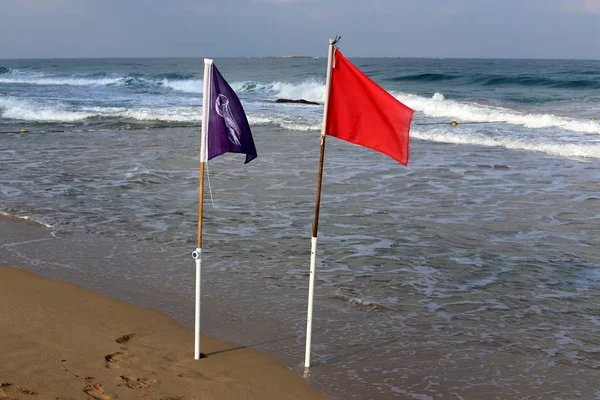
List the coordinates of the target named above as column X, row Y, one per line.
column 312, row 90
column 566, row 150
column 187, row 85
column 438, row 107
column 31, row 79
column 23, row 110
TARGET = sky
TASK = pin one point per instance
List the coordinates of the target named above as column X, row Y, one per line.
column 258, row 28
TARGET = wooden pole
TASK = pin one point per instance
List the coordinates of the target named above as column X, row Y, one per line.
column 200, row 204
column 315, row 225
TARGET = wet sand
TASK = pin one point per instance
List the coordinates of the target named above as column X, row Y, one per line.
column 60, row 341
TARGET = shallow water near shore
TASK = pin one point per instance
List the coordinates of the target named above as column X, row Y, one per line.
column 473, row 273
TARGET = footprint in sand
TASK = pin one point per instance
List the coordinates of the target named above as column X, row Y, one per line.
column 27, row 392
column 4, row 385
column 113, row 359
column 137, row 383
column 125, row 338
column 96, row 391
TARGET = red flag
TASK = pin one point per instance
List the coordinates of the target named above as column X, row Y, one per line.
column 361, row 112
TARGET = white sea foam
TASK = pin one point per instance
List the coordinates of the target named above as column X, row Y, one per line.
column 444, row 135
column 25, row 218
column 301, row 127
column 168, row 114
column 308, row 90
column 439, row 107
column 251, row 87
column 24, row 110
column 259, row 120
column 436, row 106
column 67, row 81
column 28, row 111
column 284, row 122
column 187, row 86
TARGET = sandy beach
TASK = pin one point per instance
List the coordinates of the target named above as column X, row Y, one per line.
column 60, row 341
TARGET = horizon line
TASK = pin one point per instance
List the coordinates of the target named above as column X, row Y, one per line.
column 295, row 57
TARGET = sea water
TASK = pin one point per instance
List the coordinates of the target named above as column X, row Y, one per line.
column 472, row 273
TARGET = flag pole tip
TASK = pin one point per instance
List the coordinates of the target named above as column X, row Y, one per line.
column 202, row 355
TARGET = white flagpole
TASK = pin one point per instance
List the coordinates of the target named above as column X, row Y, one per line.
column 315, row 226
column 197, row 254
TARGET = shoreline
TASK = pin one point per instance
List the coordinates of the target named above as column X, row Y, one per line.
column 61, row 340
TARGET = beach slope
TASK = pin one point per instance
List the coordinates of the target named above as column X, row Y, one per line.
column 60, row 341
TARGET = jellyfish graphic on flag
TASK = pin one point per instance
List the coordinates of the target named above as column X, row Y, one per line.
column 234, row 131
column 225, row 127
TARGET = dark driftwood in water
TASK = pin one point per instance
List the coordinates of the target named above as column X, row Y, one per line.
column 301, row 101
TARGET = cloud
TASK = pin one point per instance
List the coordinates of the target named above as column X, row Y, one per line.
column 581, row 6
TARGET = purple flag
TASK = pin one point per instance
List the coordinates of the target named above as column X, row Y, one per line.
column 225, row 126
